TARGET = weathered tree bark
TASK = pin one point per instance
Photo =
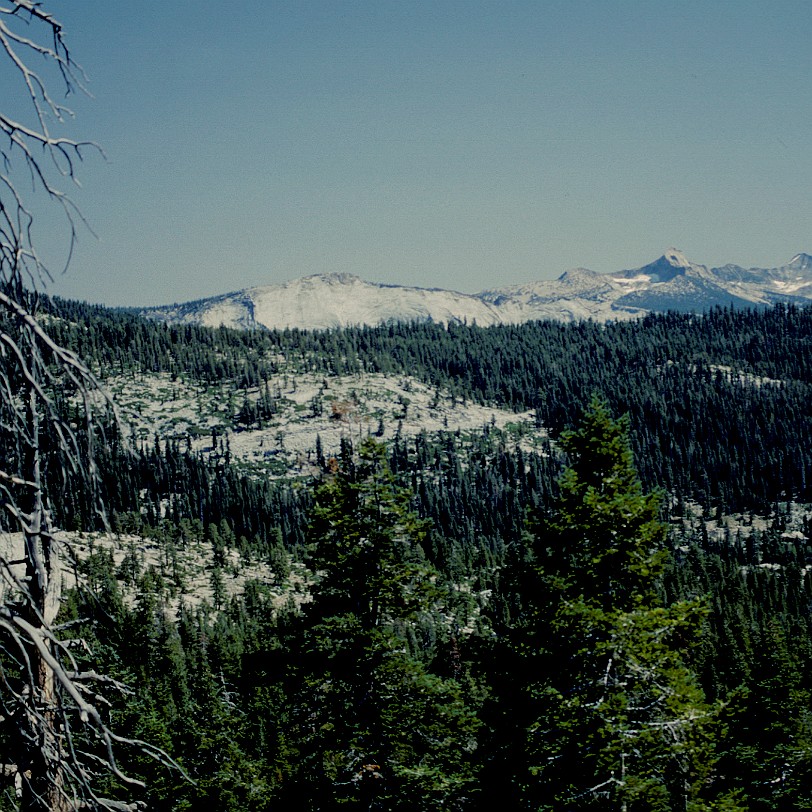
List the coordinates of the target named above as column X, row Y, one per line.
column 43, row 787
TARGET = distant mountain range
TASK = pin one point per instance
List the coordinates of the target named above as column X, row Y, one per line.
column 342, row 300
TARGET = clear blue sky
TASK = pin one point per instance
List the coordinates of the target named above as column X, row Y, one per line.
column 453, row 144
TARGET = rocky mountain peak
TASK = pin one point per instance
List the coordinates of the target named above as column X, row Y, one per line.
column 801, row 262
column 675, row 257
column 329, row 279
column 671, row 282
column 671, row 264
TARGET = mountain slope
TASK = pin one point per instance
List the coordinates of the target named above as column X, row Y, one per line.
column 329, row 300
column 670, row 282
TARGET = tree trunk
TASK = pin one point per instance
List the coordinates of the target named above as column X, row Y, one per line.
column 42, row 786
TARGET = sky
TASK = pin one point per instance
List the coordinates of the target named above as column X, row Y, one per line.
column 463, row 145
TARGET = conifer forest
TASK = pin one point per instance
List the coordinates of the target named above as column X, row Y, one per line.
column 428, row 566
column 608, row 607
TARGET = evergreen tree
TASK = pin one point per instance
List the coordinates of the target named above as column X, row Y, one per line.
column 624, row 724
column 377, row 729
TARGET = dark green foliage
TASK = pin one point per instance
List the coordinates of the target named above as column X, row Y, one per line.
column 623, row 722
column 403, row 684
column 381, row 730
column 719, row 404
column 606, row 541
column 236, row 694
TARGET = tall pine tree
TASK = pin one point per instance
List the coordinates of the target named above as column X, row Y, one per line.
column 623, row 722
column 377, row 727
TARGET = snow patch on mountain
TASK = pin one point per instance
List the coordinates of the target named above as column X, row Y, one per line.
column 671, row 282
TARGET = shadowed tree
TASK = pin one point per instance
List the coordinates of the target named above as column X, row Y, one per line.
column 624, row 724
column 377, row 728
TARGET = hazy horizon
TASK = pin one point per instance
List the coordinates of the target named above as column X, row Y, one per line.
column 456, row 145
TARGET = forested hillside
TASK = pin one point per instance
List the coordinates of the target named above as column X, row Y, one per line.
column 614, row 616
column 719, row 404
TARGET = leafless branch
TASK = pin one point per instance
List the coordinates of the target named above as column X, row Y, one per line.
column 53, row 709
column 28, row 32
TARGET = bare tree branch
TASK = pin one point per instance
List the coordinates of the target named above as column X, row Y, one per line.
column 33, row 147
column 53, row 710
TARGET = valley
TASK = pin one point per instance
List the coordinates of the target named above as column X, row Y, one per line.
column 297, row 520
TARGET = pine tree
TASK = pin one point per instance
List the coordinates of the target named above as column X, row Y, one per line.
column 624, row 724
column 377, row 729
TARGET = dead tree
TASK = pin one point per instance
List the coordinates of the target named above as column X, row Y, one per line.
column 52, row 712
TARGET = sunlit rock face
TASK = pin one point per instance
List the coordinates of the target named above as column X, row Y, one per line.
column 671, row 282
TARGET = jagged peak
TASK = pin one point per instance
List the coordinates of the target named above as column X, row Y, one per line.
column 673, row 256
column 329, row 299
column 671, row 264
column 802, row 262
